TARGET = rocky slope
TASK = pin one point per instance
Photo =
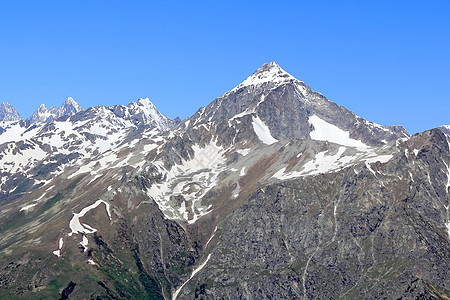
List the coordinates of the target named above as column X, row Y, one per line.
column 271, row 191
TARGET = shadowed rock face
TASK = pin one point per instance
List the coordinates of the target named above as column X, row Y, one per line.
column 250, row 198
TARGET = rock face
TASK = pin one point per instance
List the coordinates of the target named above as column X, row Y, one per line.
column 271, row 191
column 8, row 113
column 44, row 115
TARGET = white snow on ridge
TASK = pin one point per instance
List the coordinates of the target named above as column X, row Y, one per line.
column 262, row 131
column 324, row 131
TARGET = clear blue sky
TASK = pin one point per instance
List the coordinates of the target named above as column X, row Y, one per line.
column 388, row 61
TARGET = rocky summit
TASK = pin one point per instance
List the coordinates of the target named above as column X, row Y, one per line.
column 270, row 192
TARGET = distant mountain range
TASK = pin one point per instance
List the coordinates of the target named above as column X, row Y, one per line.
column 269, row 192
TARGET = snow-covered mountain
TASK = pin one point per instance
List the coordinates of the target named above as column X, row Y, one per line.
column 290, row 109
column 32, row 153
column 8, row 113
column 44, row 115
column 270, row 191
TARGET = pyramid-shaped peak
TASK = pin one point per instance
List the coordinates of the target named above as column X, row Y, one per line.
column 8, row 112
column 70, row 100
column 268, row 73
column 71, row 103
column 270, row 70
column 271, row 65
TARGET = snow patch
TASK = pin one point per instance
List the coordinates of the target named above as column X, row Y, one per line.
column 60, row 245
column 77, row 227
column 324, row 131
column 243, row 152
column 25, row 208
column 262, row 131
column 84, row 242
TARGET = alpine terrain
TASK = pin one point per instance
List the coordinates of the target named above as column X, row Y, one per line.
column 270, row 192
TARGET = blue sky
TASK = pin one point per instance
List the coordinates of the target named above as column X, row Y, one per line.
column 388, row 61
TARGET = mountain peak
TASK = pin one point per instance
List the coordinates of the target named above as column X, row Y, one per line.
column 145, row 112
column 70, row 105
column 145, row 102
column 271, row 65
column 8, row 112
column 269, row 73
column 70, row 100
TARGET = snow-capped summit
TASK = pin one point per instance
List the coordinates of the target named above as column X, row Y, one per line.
column 144, row 111
column 8, row 113
column 270, row 74
column 285, row 107
column 44, row 115
column 69, row 107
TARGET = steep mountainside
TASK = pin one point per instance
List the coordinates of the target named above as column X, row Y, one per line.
column 271, row 191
